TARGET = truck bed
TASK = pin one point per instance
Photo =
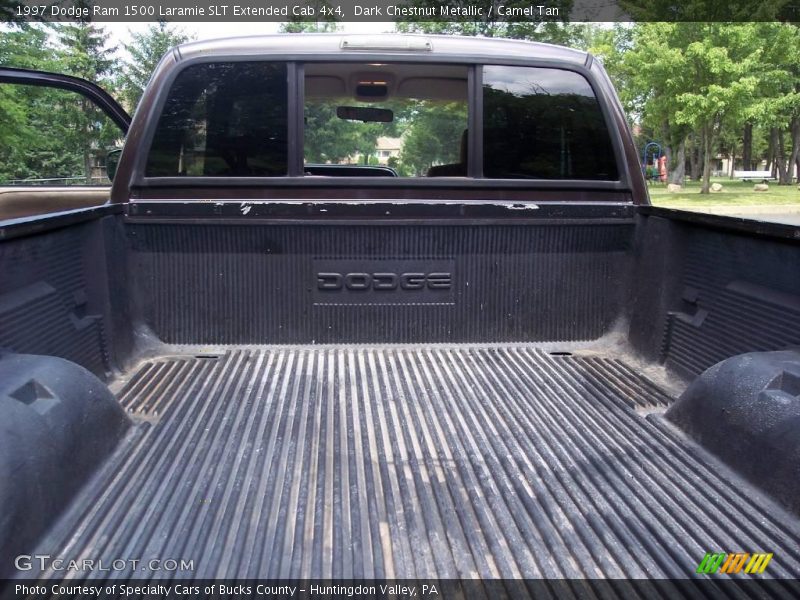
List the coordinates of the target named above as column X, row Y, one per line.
column 411, row 461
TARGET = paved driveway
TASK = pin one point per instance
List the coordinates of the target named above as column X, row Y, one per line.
column 787, row 214
column 789, row 218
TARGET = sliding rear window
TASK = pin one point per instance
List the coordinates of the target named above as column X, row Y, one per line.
column 401, row 120
column 378, row 119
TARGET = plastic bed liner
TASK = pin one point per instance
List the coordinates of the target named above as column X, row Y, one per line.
column 411, row 462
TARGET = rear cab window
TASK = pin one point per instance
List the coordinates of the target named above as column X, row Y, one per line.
column 223, row 120
column 388, row 120
column 543, row 124
column 411, row 119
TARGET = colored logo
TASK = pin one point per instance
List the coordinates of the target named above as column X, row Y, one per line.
column 734, row 562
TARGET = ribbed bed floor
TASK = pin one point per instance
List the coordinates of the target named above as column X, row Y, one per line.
column 411, row 462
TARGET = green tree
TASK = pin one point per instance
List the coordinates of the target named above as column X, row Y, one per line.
column 329, row 139
column 26, row 46
column 711, row 11
column 38, row 137
column 323, row 20
column 32, row 137
column 21, row 46
column 47, row 132
column 610, row 46
column 553, row 30
column 489, row 24
column 776, row 108
column 433, row 137
column 693, row 77
column 84, row 52
column 144, row 52
column 309, row 27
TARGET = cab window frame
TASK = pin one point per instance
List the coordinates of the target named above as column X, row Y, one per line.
column 474, row 179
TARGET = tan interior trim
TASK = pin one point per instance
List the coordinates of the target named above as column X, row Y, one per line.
column 16, row 202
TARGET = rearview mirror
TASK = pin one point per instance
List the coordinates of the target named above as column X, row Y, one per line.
column 365, row 114
column 112, row 162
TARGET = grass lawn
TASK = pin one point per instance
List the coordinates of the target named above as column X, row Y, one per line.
column 734, row 193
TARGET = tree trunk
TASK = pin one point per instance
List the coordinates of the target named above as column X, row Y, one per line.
column 87, row 167
column 678, row 174
column 794, row 159
column 86, row 137
column 695, row 159
column 733, row 163
column 707, row 157
column 747, row 147
column 780, row 158
column 773, row 136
